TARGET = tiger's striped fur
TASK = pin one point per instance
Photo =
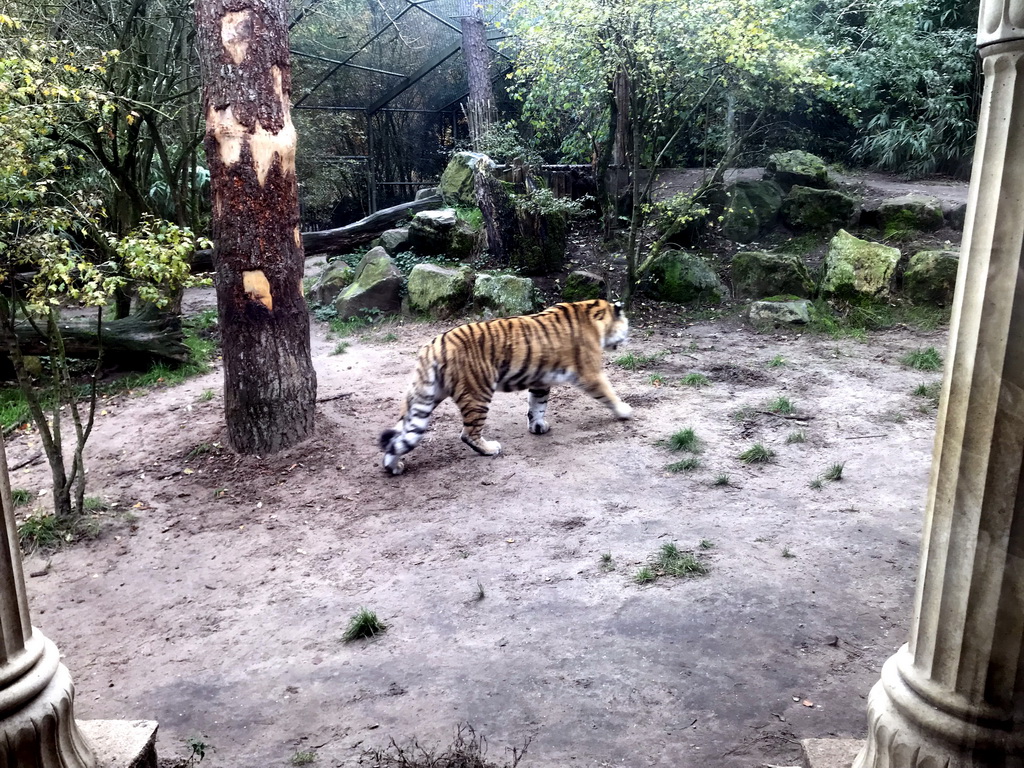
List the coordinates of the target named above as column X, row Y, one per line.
column 561, row 345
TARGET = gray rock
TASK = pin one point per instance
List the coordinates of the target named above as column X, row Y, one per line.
column 438, row 291
column 456, row 185
column 856, row 268
column 505, row 294
column 394, row 241
column 377, row 285
column 815, row 210
column 430, row 232
column 753, row 209
column 682, row 278
column 756, row 274
column 582, row 285
column 331, row 282
column 773, row 314
column 910, row 213
column 955, row 215
column 797, row 167
column 426, row 192
column 931, row 277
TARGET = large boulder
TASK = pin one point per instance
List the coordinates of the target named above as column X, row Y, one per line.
column 377, row 285
column 813, row 210
column 394, row 241
column 456, row 185
column 331, row 282
column 756, row 274
column 505, row 294
column 682, row 278
column 797, row 168
column 909, row 213
column 582, row 285
column 931, row 277
column 856, row 268
column 753, row 210
column 430, row 232
column 463, row 240
column 439, row 291
column 772, row 314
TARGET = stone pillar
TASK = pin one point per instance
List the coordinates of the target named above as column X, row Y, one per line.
column 37, row 724
column 954, row 695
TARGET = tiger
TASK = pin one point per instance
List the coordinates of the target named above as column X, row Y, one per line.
column 560, row 345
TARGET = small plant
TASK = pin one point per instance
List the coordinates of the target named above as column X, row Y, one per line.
column 480, row 593
column 777, row 362
column 757, row 454
column 48, row 532
column 634, row 362
column 743, row 414
column 893, row 416
column 389, row 337
column 683, row 440
column 671, row 561
column 196, row 752
column 364, row 624
column 607, row 561
column 816, row 484
column 781, row 405
column 796, row 437
column 20, row 497
column 341, row 348
column 94, row 504
column 707, row 544
column 656, row 380
column 787, row 552
column 304, row 757
column 201, row 449
column 835, row 472
column 683, row 466
column 930, row 392
column 923, row 359
column 467, row 751
column 723, row 479
column 207, row 396
column 644, row 575
column 696, row 380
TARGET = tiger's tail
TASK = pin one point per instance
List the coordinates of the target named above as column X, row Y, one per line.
column 423, row 396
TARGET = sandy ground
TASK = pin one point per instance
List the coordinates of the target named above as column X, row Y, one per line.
column 216, row 597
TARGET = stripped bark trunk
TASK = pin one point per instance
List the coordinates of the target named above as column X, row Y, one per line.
column 480, row 104
column 269, row 381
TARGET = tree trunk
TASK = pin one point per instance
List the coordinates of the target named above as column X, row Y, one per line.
column 269, row 381
column 480, row 104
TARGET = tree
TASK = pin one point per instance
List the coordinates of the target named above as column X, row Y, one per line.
column 635, row 77
column 49, row 219
column 269, row 381
column 480, row 104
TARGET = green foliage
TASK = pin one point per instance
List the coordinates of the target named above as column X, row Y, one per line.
column 685, row 465
column 47, row 531
column 930, row 392
column 757, row 454
column 20, row 497
column 363, row 624
column 781, row 405
column 800, row 436
column 644, row 575
column 634, row 361
column 683, row 440
column 834, row 473
column 723, row 479
column 777, row 362
column 696, row 380
column 923, row 359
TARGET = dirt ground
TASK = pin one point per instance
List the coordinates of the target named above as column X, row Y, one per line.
column 216, row 598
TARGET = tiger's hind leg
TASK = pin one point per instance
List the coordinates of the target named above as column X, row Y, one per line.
column 538, row 407
column 474, row 408
column 599, row 388
column 420, row 404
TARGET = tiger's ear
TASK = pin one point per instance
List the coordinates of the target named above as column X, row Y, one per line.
column 617, row 307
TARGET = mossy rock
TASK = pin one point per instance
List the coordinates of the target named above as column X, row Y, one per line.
column 753, row 210
column 463, row 240
column 682, row 278
column 797, row 167
column 931, row 277
column 817, row 210
column 759, row 273
column 377, row 285
column 430, row 232
column 394, row 241
column 457, row 186
column 858, row 269
column 774, row 314
column 438, row 291
column 583, row 286
column 505, row 295
column 909, row 213
column 332, row 281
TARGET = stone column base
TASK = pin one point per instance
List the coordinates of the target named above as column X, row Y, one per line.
column 830, row 753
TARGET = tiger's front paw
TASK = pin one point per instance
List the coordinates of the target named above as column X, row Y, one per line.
column 540, row 428
column 393, row 464
column 623, row 411
column 490, row 447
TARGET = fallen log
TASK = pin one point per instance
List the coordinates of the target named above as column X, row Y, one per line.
column 342, row 239
column 133, row 342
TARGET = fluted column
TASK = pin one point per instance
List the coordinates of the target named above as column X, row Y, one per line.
column 37, row 724
column 954, row 695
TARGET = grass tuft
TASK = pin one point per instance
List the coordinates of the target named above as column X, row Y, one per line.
column 644, row 575
column 341, row 348
column 787, row 552
column 781, row 405
column 835, row 472
column 707, row 544
column 723, row 479
column 671, row 561
column 776, row 362
column 46, row 532
column 683, row 466
column 923, row 359
column 800, row 436
column 757, row 454
column 20, row 497
column 683, row 440
column 634, row 361
column 656, row 380
column 696, row 380
column 364, row 624
column 305, row 757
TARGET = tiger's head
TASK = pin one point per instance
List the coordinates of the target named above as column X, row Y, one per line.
column 616, row 324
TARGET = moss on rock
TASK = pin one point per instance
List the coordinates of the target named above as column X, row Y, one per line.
column 505, row 294
column 858, row 269
column 759, row 273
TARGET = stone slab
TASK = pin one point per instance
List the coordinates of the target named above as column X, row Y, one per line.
column 121, row 743
column 830, row 753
